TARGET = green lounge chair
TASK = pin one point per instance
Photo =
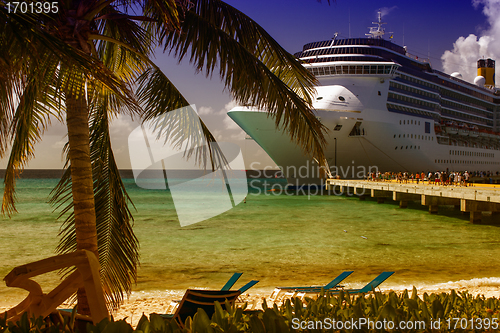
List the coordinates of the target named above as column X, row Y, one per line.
column 248, row 286
column 230, row 283
column 292, row 290
column 366, row 289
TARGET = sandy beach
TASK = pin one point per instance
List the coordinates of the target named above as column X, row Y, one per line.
column 157, row 302
column 147, row 302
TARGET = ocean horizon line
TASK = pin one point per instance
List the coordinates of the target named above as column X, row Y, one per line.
column 128, row 173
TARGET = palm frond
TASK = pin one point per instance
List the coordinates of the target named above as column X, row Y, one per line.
column 35, row 41
column 165, row 16
column 125, row 62
column 253, row 67
column 38, row 71
column 36, row 102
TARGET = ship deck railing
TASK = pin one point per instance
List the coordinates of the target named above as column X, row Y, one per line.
column 414, row 57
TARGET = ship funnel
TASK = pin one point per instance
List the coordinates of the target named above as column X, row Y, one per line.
column 486, row 69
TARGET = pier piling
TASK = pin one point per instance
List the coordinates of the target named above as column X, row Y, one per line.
column 471, row 200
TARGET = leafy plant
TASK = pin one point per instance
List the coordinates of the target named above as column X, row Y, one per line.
column 451, row 309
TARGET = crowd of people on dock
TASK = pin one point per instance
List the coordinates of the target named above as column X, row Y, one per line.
column 456, row 178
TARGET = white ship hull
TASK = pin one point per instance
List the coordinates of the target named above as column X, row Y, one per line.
column 383, row 141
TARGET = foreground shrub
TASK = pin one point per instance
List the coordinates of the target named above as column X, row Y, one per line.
column 445, row 312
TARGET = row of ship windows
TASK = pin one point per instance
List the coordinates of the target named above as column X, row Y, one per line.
column 415, row 136
column 467, row 99
column 462, row 115
column 450, row 92
column 347, row 58
column 471, row 153
column 408, row 122
column 464, row 107
column 465, row 90
column 477, row 105
column 422, row 83
column 460, row 107
column 355, row 41
column 340, row 50
column 351, row 69
column 480, row 120
column 408, row 109
column 417, row 102
column 465, row 162
column 407, row 147
column 414, row 90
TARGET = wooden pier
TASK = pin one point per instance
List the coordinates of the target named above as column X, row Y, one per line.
column 472, row 199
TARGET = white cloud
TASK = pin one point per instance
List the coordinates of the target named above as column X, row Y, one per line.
column 208, row 110
column 467, row 50
column 229, row 106
column 205, row 110
column 218, row 118
column 230, row 124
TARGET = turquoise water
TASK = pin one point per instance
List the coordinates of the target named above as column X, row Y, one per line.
column 276, row 238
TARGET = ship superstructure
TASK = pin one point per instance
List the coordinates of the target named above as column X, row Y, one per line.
column 386, row 110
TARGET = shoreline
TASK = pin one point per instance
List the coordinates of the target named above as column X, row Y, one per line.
column 158, row 301
column 148, row 302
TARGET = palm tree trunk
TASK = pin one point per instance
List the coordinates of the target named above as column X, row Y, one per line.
column 82, row 185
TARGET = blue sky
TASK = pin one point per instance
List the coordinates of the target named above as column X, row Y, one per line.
column 425, row 24
column 427, row 28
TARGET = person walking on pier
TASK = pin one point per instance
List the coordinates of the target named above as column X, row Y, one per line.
column 437, row 177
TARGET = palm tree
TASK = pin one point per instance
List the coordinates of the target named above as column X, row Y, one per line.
column 86, row 61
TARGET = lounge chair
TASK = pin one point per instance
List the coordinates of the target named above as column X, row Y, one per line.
column 332, row 285
column 241, row 301
column 175, row 303
column 230, row 283
column 366, row 289
column 39, row 304
column 201, row 299
column 248, row 286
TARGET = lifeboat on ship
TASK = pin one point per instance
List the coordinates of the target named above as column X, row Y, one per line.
column 483, row 133
column 473, row 131
column 492, row 135
column 451, row 127
column 462, row 129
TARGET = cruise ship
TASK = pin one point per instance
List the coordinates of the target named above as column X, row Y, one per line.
column 386, row 110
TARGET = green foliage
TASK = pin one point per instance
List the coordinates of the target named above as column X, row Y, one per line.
column 344, row 307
